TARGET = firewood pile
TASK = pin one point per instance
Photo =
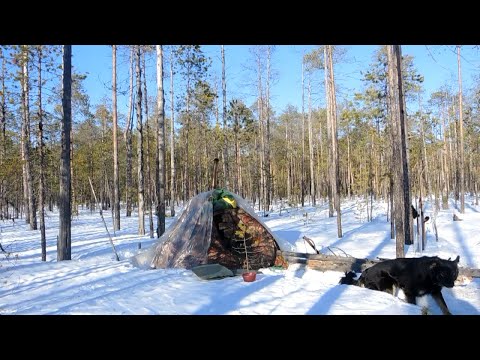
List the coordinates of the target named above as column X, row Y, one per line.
column 230, row 228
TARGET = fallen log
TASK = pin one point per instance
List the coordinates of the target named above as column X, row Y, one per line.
column 324, row 262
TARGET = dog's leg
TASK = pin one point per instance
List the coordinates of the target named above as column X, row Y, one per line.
column 411, row 299
column 438, row 297
column 395, row 289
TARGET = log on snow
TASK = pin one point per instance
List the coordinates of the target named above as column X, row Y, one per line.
column 328, row 262
column 324, row 262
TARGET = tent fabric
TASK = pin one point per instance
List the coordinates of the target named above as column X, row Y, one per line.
column 186, row 243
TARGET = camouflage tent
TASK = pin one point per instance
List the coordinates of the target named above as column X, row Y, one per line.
column 216, row 227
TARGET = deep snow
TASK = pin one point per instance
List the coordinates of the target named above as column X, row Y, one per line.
column 94, row 283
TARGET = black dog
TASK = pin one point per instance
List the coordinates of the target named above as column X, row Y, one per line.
column 415, row 276
column 414, row 212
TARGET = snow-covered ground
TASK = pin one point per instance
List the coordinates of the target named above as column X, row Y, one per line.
column 94, row 283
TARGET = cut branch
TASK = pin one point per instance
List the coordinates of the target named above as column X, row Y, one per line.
column 104, row 223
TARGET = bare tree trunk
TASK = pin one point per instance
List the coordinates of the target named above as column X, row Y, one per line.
column 41, row 190
column 261, row 154
column 64, row 243
column 72, row 179
column 329, row 134
column 445, row 172
column 401, row 185
column 149, row 174
column 141, row 186
column 160, row 144
column 31, row 213
column 460, row 121
column 334, row 142
column 225, row 127
column 172, row 142
column 128, row 142
column 3, row 148
column 302, row 185
column 238, row 172
column 349, row 168
column 268, row 169
column 289, row 163
column 310, row 145
column 24, row 146
column 116, row 180
column 426, row 173
column 392, row 212
column 186, row 185
column 104, row 188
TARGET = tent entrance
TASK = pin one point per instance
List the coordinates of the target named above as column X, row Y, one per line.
column 233, row 230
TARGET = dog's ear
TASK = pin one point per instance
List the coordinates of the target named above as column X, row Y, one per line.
column 457, row 259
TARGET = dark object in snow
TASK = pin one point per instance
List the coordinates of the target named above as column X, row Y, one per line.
column 212, row 271
column 415, row 276
column 349, row 278
column 456, row 218
column 414, row 212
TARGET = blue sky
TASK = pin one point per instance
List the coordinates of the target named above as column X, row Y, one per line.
column 438, row 64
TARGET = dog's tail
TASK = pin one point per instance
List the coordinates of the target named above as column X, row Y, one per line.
column 349, row 279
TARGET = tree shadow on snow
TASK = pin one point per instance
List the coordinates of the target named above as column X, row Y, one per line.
column 225, row 301
column 461, row 240
column 323, row 305
column 471, row 207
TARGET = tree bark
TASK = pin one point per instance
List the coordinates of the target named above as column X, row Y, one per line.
column 3, row 147
column 116, row 180
column 397, row 115
column 226, row 173
column 445, row 172
column 329, row 134
column 160, row 144
column 268, row 169
column 334, row 139
column 310, row 145
column 260, row 153
column 302, row 185
column 140, row 172
column 31, row 213
column 149, row 174
column 460, row 122
column 41, row 150
column 128, row 142
column 172, row 142
column 64, row 243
